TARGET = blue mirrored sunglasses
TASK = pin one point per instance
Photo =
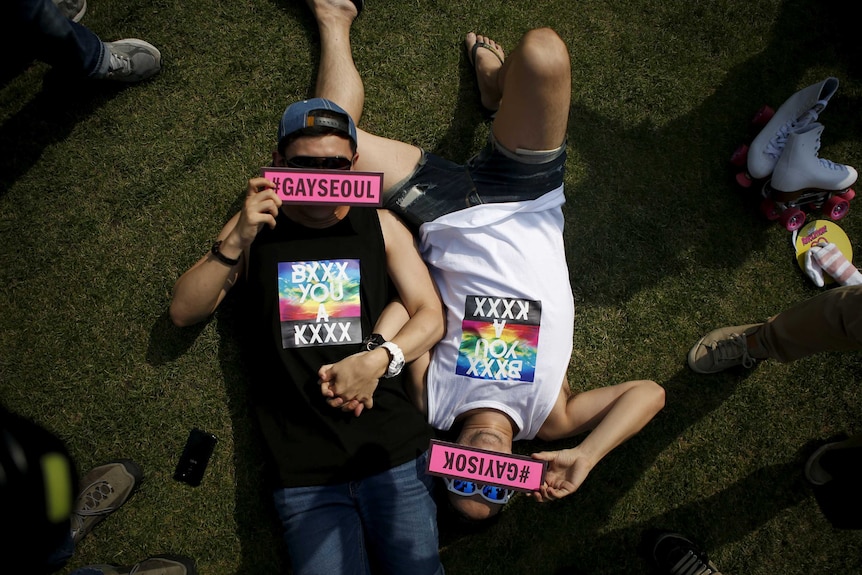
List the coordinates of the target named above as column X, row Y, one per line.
column 491, row 493
column 319, row 163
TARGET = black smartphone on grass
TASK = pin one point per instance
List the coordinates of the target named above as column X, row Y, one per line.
column 195, row 457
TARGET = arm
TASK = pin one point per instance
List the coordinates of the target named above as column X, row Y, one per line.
column 418, row 294
column 613, row 413
column 355, row 377
column 200, row 290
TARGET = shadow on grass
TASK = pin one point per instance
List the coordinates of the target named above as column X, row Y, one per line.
column 619, row 209
column 48, row 118
column 526, row 536
column 654, row 197
column 258, row 528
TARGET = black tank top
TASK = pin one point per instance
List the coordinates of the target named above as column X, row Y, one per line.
column 313, row 294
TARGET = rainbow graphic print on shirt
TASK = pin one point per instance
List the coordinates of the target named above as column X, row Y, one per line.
column 499, row 339
column 319, row 303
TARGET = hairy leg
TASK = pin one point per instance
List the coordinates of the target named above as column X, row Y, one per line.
column 533, row 86
column 337, row 77
column 339, row 80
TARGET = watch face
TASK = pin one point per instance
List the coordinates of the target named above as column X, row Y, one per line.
column 373, row 341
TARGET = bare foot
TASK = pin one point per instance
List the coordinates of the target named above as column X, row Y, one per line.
column 339, row 9
column 487, row 58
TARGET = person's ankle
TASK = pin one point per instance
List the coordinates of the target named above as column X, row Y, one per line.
column 754, row 348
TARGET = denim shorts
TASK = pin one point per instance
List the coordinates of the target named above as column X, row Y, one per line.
column 385, row 524
column 438, row 186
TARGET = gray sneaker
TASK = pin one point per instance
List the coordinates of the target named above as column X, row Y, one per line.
column 72, row 9
column 104, row 490
column 842, row 454
column 721, row 349
column 133, row 60
column 158, row 565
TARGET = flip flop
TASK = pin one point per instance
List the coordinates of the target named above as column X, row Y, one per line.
column 360, row 4
column 480, row 44
column 471, row 56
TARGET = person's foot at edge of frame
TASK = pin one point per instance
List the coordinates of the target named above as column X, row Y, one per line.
column 322, row 8
column 488, row 61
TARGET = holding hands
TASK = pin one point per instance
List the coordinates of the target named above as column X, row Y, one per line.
column 352, row 377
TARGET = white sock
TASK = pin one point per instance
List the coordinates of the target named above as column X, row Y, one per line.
column 813, row 269
column 831, row 261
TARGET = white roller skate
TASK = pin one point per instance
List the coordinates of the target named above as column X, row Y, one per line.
column 801, row 179
column 802, row 108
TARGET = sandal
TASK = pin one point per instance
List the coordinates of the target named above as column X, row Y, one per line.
column 471, row 56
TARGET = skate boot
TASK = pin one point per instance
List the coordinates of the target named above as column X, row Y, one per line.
column 802, row 179
column 799, row 110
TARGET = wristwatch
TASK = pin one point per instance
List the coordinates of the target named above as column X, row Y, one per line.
column 396, row 363
column 216, row 251
column 373, row 341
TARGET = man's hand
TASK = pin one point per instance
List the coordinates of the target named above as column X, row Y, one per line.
column 260, row 208
column 350, row 383
column 567, row 470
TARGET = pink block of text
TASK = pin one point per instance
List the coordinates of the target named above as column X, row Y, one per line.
column 340, row 187
column 489, row 467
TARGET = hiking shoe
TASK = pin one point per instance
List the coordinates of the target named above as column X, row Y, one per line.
column 814, row 472
column 72, row 9
column 158, row 565
column 721, row 349
column 105, row 489
column 838, row 457
column 673, row 554
column 133, row 60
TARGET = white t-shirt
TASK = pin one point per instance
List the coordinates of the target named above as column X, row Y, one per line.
column 502, row 273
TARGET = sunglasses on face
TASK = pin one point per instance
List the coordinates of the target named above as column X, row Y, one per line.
column 491, row 493
column 319, row 163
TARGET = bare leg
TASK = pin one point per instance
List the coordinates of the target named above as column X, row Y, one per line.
column 337, row 77
column 338, row 80
column 532, row 87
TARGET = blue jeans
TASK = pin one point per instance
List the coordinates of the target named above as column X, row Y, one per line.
column 46, row 34
column 386, row 523
column 439, row 186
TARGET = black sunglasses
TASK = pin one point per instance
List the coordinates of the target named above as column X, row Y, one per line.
column 319, row 163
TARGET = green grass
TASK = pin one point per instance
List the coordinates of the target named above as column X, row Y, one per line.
column 108, row 195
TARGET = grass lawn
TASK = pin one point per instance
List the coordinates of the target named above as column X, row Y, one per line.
column 108, row 194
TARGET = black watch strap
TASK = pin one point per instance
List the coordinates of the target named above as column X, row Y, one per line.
column 221, row 257
column 373, row 341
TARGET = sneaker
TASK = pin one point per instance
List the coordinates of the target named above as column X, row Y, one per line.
column 721, row 349
column 72, row 9
column 133, row 60
column 158, row 565
column 839, row 457
column 673, row 554
column 814, row 472
column 105, row 489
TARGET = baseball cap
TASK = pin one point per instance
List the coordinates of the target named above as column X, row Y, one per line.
column 307, row 114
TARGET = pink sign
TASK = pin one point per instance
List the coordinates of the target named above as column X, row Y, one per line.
column 516, row 472
column 342, row 187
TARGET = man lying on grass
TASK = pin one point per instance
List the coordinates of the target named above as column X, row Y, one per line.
column 491, row 233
